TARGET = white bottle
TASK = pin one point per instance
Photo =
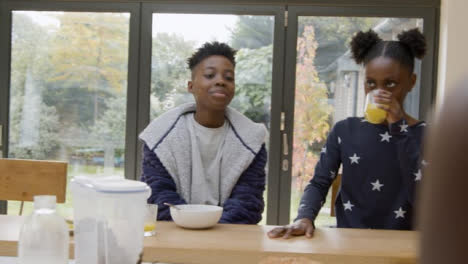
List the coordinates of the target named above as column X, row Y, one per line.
column 44, row 236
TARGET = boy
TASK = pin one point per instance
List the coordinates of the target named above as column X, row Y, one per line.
column 206, row 152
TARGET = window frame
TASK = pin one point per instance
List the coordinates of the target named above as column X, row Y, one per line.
column 139, row 64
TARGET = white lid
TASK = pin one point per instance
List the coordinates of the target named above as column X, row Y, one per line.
column 112, row 184
column 44, row 201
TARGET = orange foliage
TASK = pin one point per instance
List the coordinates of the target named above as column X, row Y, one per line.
column 312, row 110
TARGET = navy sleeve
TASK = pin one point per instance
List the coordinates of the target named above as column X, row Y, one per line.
column 409, row 149
column 245, row 205
column 163, row 187
column 325, row 173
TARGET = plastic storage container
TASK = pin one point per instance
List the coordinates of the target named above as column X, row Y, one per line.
column 44, row 237
column 109, row 219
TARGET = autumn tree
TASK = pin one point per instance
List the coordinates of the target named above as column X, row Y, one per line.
column 88, row 81
column 89, row 54
column 312, row 110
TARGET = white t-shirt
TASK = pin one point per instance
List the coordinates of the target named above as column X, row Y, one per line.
column 207, row 149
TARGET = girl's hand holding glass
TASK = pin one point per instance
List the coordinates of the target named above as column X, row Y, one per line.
column 381, row 106
column 386, row 101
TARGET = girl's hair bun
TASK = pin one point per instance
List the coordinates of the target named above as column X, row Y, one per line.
column 362, row 43
column 415, row 41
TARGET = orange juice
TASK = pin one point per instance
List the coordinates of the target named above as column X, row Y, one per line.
column 70, row 224
column 374, row 114
column 150, row 227
column 151, row 214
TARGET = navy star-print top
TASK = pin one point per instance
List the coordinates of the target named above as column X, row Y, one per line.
column 381, row 166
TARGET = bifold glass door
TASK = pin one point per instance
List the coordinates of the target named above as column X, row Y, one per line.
column 82, row 80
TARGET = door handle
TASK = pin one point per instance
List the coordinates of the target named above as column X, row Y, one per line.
column 285, row 144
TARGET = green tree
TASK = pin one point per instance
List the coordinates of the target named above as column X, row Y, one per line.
column 109, row 131
column 110, row 127
column 27, row 51
column 169, row 72
column 333, row 35
column 321, row 40
column 65, row 76
column 33, row 125
column 253, row 83
column 252, row 32
column 42, row 141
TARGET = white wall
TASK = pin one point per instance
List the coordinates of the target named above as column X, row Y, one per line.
column 453, row 46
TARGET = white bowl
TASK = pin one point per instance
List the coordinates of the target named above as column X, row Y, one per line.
column 196, row 216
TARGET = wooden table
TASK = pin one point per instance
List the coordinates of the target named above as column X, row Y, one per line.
column 249, row 244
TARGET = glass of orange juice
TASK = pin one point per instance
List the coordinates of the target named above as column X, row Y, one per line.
column 372, row 113
column 151, row 215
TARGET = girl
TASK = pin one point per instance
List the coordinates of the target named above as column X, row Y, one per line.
column 381, row 162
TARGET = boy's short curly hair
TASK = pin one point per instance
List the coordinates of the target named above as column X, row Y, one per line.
column 210, row 49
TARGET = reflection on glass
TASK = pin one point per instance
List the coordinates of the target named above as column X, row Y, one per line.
column 68, row 91
column 330, row 88
column 174, row 42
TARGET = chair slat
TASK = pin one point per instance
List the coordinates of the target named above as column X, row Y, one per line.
column 20, row 180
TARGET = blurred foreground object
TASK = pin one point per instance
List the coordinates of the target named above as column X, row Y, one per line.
column 443, row 217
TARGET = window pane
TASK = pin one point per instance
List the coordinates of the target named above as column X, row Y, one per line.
column 174, row 42
column 330, row 88
column 68, row 91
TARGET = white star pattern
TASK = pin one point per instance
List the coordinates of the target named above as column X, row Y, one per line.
column 339, row 140
column 418, row 175
column 348, row 206
column 324, row 150
column 424, row 163
column 399, row 213
column 376, row 185
column 354, row 159
column 332, row 174
column 385, row 137
column 403, row 128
